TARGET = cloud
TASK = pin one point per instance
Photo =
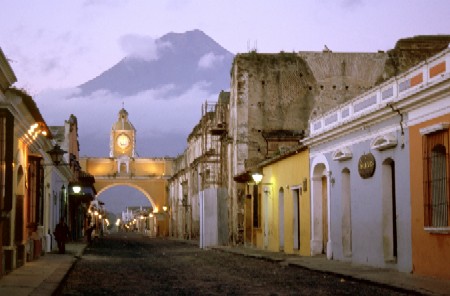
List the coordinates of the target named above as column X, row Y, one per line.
column 142, row 47
column 101, row 3
column 351, row 3
column 209, row 60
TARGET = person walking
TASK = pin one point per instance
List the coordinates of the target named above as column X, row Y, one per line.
column 61, row 235
column 89, row 233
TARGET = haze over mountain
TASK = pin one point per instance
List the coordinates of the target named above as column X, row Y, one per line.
column 176, row 60
column 162, row 82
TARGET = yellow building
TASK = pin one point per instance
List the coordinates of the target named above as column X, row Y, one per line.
column 280, row 213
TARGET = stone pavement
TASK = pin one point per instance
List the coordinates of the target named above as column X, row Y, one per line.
column 42, row 276
column 381, row 276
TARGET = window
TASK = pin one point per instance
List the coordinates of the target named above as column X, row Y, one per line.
column 436, row 180
column 6, row 159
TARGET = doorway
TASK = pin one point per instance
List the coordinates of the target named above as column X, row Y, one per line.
column 320, row 241
column 281, row 219
column 324, row 215
column 296, row 218
column 266, row 217
column 346, row 214
column 389, row 211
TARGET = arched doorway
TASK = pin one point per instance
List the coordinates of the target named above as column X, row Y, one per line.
column 346, row 214
column 321, row 240
column 389, row 211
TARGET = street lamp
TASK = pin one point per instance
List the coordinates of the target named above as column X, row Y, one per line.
column 257, row 177
column 76, row 189
column 56, row 154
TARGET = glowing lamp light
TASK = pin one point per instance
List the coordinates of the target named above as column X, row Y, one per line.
column 76, row 189
column 257, row 177
column 165, row 208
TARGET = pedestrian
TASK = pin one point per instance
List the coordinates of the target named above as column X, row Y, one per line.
column 61, row 235
column 89, row 233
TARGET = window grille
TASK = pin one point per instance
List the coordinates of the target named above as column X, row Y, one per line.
column 436, row 179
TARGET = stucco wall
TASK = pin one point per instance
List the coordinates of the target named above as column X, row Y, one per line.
column 430, row 252
column 369, row 214
column 288, row 174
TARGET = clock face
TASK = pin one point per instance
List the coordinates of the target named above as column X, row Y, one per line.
column 123, row 141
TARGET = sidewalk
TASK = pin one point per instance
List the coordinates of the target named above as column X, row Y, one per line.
column 385, row 277
column 42, row 276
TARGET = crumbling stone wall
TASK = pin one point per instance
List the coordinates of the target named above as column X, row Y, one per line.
column 283, row 91
column 408, row 52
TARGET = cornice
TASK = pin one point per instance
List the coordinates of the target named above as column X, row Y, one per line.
column 7, row 76
column 409, row 101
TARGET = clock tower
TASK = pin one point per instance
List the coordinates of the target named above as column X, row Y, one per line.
column 122, row 141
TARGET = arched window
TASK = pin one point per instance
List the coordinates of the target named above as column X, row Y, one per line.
column 439, row 191
column 436, row 181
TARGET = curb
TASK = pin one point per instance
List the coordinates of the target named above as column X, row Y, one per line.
column 76, row 257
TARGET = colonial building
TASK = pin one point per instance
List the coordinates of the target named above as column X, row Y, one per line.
column 279, row 205
column 73, row 203
column 427, row 103
column 197, row 195
column 273, row 95
column 7, row 78
column 276, row 92
column 36, row 179
column 359, row 191
column 366, row 207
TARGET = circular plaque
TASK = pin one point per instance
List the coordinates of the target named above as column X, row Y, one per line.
column 366, row 165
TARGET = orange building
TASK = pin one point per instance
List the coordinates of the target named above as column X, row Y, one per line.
column 429, row 122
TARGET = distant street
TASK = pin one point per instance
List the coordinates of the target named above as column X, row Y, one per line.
column 130, row 264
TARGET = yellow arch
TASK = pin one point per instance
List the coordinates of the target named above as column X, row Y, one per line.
column 139, row 188
column 147, row 175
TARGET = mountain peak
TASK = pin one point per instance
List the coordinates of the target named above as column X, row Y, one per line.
column 195, row 40
column 191, row 57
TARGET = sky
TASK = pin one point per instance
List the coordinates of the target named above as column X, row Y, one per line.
column 54, row 46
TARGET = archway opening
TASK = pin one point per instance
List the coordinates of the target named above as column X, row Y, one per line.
column 124, row 202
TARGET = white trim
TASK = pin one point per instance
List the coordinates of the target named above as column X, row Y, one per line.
column 342, row 154
column 384, row 142
column 438, row 230
column 314, row 151
column 429, row 111
column 434, row 128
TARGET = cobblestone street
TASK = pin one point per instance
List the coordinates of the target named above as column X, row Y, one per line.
column 130, row 264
